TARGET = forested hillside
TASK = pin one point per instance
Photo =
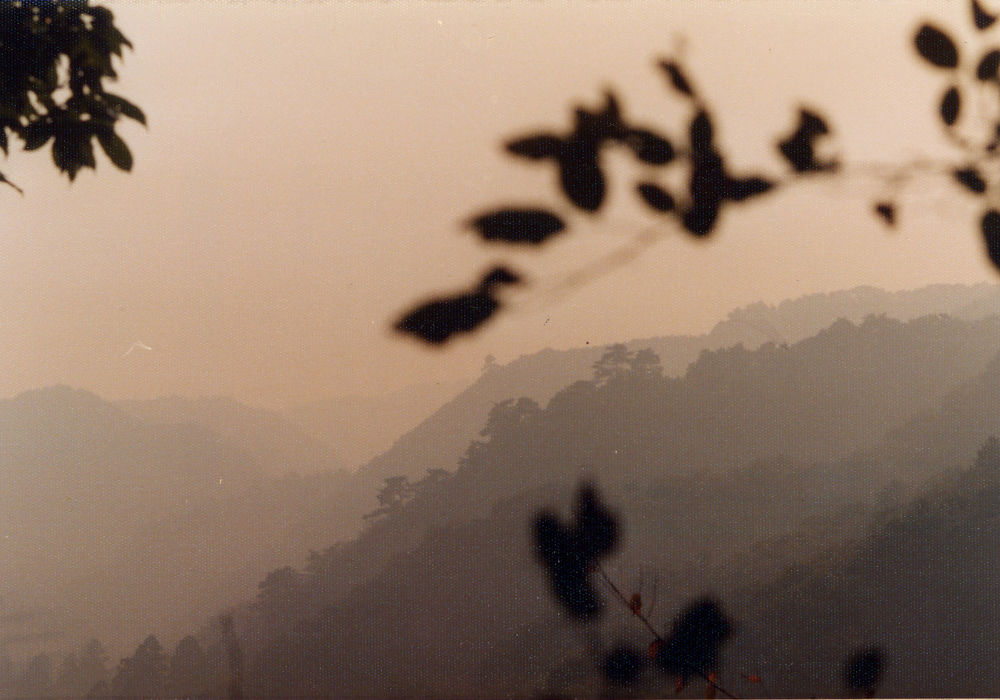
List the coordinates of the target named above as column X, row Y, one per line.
column 441, row 583
column 753, row 461
column 439, row 442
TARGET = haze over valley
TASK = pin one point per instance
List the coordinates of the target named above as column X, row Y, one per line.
column 785, row 439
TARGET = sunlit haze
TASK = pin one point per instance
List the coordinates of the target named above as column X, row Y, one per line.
column 308, row 168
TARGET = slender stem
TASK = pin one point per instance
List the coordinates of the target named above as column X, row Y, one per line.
column 657, row 635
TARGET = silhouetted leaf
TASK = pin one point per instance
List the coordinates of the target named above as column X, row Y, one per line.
column 120, row 105
column 701, row 132
column 988, row 65
column 971, row 178
column 518, row 225
column 437, row 320
column 708, row 188
column 116, row 149
column 3, row 139
column 936, row 46
column 581, row 178
column 738, row 189
column 863, row 671
column 799, row 149
column 950, row 105
column 570, row 553
column 700, row 218
column 649, row 147
column 499, row 275
column 600, row 126
column 887, row 210
column 537, row 147
column 980, row 17
column 991, row 235
column 812, row 124
column 73, row 151
column 677, row 78
column 36, row 135
column 623, row 665
column 695, row 640
column 596, row 530
column 655, row 196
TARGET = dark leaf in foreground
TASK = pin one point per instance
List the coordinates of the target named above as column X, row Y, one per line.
column 437, row 320
column 655, row 196
column 537, row 146
column 950, row 105
column 971, row 178
column 799, row 147
column 116, row 149
column 580, row 176
column 596, row 529
column 600, row 126
column 649, row 147
column 936, row 46
column 887, row 210
column 568, row 569
column 863, row 671
column 677, row 78
column 498, row 275
column 623, row 665
column 738, row 189
column 73, row 151
column 980, row 17
column 36, row 135
column 708, row 189
column 991, row 235
column 700, row 219
column 569, row 553
column 701, row 132
column 119, row 105
column 518, row 225
column 695, row 639
column 988, row 65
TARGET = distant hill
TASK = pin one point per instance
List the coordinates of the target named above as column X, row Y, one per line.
column 276, row 444
column 439, row 441
column 152, row 524
column 946, row 434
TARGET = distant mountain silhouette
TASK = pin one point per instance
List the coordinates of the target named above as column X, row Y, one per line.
column 439, row 441
column 275, row 443
column 946, row 434
column 152, row 524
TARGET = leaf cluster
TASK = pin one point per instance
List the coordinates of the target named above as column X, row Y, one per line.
column 55, row 56
column 577, row 155
column 981, row 75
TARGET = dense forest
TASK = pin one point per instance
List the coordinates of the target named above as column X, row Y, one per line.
column 833, row 492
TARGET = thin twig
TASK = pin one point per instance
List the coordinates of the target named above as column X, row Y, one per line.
column 657, row 635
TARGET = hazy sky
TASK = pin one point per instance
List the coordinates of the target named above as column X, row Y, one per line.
column 308, row 166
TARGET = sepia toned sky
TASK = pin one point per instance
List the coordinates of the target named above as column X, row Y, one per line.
column 308, row 167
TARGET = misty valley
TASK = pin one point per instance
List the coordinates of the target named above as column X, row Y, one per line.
column 824, row 471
